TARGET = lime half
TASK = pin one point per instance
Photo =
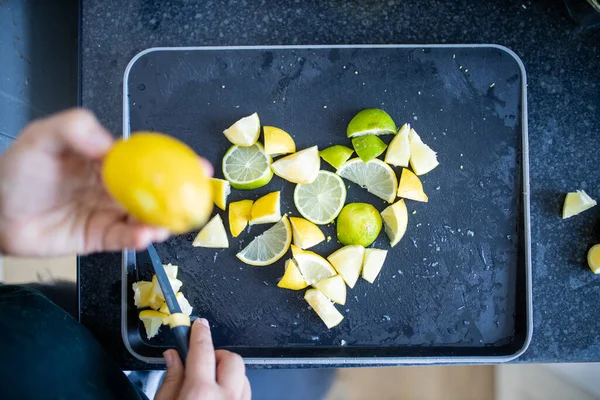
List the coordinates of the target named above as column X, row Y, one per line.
column 371, row 121
column 247, row 168
column 322, row 200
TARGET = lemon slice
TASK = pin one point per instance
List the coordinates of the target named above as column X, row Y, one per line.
column 220, row 190
column 410, row 187
column 245, row 131
column 305, row 233
column 593, row 259
column 292, row 278
column 348, row 261
column 422, row 158
column 184, row 304
column 374, row 259
column 266, row 210
column 247, row 168
column 278, row 141
column 213, row 235
column 368, row 147
column 322, row 200
column 334, row 288
column 152, row 320
column 577, row 202
column 395, row 220
column 171, row 270
column 375, row 176
column 323, row 307
column 313, row 267
column 336, row 155
column 398, row 152
column 175, row 285
column 371, row 121
column 142, row 291
column 268, row 247
column 239, row 216
column 300, row 167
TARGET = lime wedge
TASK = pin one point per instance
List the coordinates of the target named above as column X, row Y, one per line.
column 336, row 155
column 268, row 247
column 247, row 168
column 322, row 200
column 368, row 147
column 371, row 121
column 375, row 176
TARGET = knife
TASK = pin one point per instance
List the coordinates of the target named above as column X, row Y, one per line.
column 179, row 322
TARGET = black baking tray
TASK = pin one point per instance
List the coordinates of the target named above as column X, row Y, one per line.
column 457, row 288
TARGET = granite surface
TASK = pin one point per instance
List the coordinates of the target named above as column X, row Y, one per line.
column 563, row 69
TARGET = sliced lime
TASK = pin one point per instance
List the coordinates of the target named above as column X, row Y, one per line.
column 247, row 168
column 368, row 147
column 322, row 200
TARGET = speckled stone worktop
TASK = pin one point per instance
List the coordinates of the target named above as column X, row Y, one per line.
column 563, row 69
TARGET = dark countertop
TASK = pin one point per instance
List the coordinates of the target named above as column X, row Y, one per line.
column 563, row 68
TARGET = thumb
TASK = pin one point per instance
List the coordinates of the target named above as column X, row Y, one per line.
column 173, row 377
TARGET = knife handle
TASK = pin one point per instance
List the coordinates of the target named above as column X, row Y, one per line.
column 182, row 340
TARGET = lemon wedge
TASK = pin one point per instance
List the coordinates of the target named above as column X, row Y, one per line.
column 292, row 278
column 398, row 152
column 175, row 285
column 245, row 131
column 239, row 215
column 593, row 259
column 213, row 235
column 577, row 202
column 336, row 155
column 348, row 261
column 268, row 247
column 184, row 304
column 152, row 320
column 323, row 307
column 155, row 301
column 374, row 259
column 305, row 233
column 334, row 288
column 221, row 189
column 278, row 141
column 313, row 267
column 300, row 167
column 297, row 250
column 142, row 291
column 266, row 210
column 375, row 176
column 422, row 158
column 395, row 221
column 171, row 270
column 410, row 187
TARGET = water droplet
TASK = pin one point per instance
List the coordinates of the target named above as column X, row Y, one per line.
column 142, row 86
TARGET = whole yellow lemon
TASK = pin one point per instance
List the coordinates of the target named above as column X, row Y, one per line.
column 159, row 180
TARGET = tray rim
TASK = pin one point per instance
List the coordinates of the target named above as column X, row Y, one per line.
column 360, row 361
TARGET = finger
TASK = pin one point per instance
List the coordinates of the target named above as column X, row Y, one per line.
column 207, row 167
column 77, row 130
column 247, row 391
column 200, row 364
column 173, row 377
column 231, row 372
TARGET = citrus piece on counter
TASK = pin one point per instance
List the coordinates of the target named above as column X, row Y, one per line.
column 371, row 121
column 348, row 262
column 212, row 235
column 422, row 158
column 158, row 180
column 334, row 288
column 155, row 301
column 184, row 304
column 358, row 224
column 297, row 250
column 323, row 307
column 368, row 147
column 374, row 259
column 375, row 176
column 398, row 151
column 171, row 270
column 175, row 285
column 593, row 259
column 576, row 203
column 220, row 190
column 239, row 216
column 247, row 168
column 410, row 186
column 266, row 210
column 336, row 155
column 313, row 267
column 245, row 131
column 142, row 291
column 292, row 278
column 269, row 247
column 152, row 320
column 395, row 220
column 322, row 200
column 300, row 167
column 305, row 233
column 278, row 141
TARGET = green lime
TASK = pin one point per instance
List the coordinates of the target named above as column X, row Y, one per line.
column 368, row 147
column 247, row 168
column 358, row 223
column 336, row 155
column 371, row 121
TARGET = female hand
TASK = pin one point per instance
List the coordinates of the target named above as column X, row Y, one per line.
column 52, row 200
column 208, row 374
